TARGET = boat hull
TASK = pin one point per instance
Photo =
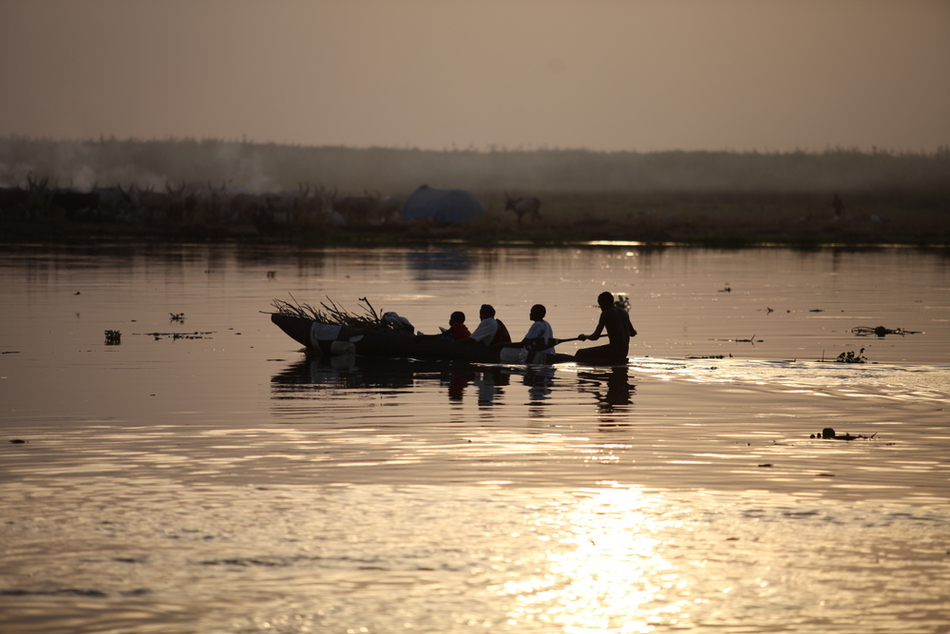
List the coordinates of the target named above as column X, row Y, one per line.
column 330, row 339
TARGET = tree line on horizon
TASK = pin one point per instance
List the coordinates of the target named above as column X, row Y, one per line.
column 269, row 167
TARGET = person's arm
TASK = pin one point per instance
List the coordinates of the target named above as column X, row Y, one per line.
column 596, row 334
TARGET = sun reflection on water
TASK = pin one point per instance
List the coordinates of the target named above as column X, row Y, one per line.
column 605, row 573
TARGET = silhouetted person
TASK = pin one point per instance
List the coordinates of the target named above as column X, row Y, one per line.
column 490, row 330
column 456, row 331
column 457, row 328
column 616, row 322
column 540, row 329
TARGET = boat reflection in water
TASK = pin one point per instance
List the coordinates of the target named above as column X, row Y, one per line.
column 342, row 372
column 423, row 385
column 391, row 377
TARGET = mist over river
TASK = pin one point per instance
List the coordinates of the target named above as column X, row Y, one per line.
column 194, row 471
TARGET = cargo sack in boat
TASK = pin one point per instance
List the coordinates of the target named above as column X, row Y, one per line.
column 397, row 323
column 513, row 355
column 323, row 332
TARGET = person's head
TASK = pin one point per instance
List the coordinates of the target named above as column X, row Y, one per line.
column 486, row 311
column 605, row 300
column 537, row 312
column 458, row 317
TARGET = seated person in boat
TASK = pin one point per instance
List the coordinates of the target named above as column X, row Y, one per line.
column 540, row 329
column 490, row 331
column 456, row 331
column 457, row 328
column 619, row 331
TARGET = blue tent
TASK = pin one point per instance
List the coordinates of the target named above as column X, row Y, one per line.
column 446, row 206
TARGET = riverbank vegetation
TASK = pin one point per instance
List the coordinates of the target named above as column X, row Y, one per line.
column 214, row 189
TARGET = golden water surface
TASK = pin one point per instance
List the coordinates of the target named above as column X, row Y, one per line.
column 204, row 475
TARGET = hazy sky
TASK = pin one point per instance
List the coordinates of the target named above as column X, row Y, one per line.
column 769, row 75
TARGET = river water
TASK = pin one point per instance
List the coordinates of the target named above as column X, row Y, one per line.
column 203, row 475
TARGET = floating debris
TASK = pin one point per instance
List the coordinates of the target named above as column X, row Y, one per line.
column 751, row 340
column 179, row 335
column 850, row 357
column 79, row 592
column 113, row 337
column 881, row 331
column 829, row 433
column 847, row 357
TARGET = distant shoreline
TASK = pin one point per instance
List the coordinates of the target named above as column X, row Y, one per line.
column 849, row 234
column 700, row 198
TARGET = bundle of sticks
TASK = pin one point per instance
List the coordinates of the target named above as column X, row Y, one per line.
column 880, row 331
column 332, row 313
